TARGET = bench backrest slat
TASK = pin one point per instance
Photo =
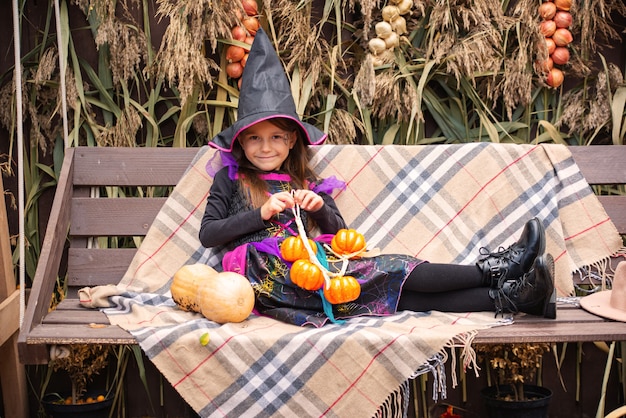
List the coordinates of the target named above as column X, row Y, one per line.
column 128, row 167
column 615, row 208
column 111, row 217
column 95, row 267
column 601, row 164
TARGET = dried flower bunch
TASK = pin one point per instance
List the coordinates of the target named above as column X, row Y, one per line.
column 485, row 48
column 514, row 364
column 82, row 362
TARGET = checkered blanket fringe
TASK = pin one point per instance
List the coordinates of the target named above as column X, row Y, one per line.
column 397, row 403
column 440, row 203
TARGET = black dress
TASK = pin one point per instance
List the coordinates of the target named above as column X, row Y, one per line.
column 254, row 252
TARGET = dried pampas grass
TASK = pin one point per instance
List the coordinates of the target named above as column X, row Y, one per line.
column 182, row 59
column 588, row 111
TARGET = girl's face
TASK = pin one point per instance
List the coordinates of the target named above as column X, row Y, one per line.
column 266, row 146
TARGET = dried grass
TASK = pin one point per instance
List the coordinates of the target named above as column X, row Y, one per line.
column 515, row 84
column 102, row 8
column 298, row 43
column 82, row 363
column 127, row 48
column 485, row 56
column 344, row 127
column 182, row 58
column 393, row 99
column 367, row 9
column 47, row 65
column 365, row 82
column 124, row 133
column 7, row 95
column 71, row 93
column 588, row 110
column 592, row 20
column 486, row 50
column 43, row 129
column 467, row 34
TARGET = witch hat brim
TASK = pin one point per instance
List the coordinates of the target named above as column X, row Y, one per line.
column 265, row 93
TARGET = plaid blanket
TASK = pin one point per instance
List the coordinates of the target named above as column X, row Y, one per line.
column 440, row 203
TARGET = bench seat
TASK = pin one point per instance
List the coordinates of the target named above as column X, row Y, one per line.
column 71, row 323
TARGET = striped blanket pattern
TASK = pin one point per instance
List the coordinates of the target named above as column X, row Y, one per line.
column 440, row 203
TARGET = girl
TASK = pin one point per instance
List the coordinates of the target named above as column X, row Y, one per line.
column 267, row 173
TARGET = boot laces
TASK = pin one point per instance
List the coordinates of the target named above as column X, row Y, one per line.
column 511, row 254
column 500, row 260
column 505, row 299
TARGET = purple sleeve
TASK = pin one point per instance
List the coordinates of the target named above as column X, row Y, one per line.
column 328, row 185
column 328, row 218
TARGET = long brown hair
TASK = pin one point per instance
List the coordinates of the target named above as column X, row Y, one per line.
column 296, row 165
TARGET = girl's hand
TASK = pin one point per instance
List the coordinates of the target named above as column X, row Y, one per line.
column 277, row 203
column 308, row 200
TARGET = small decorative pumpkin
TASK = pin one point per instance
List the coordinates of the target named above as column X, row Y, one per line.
column 307, row 275
column 292, row 248
column 226, row 297
column 348, row 241
column 185, row 285
column 342, row 289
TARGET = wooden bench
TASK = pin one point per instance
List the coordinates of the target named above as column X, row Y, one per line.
column 78, row 216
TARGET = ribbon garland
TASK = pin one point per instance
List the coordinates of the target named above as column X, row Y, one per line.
column 321, row 261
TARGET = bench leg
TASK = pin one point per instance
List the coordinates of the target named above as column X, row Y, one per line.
column 13, row 380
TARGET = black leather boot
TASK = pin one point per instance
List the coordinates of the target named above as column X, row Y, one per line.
column 515, row 261
column 533, row 294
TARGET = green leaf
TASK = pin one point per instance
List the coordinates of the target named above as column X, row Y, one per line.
column 617, row 116
column 331, row 99
column 103, row 92
column 390, row 134
column 552, row 132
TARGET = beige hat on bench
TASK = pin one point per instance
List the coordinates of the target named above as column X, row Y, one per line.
column 609, row 303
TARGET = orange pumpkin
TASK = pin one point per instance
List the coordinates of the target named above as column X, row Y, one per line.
column 227, row 297
column 342, row 289
column 292, row 249
column 307, row 275
column 348, row 241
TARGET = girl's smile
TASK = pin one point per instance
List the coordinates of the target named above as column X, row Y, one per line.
column 266, row 146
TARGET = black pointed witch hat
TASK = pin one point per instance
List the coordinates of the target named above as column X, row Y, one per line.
column 265, row 94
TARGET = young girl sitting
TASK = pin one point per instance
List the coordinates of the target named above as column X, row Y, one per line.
column 250, row 210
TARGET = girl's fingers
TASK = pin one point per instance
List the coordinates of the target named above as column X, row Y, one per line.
column 301, row 195
column 284, row 197
column 279, row 202
column 308, row 200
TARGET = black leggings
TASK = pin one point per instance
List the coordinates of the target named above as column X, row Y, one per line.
column 446, row 288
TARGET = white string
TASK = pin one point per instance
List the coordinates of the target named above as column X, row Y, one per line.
column 312, row 257
column 62, row 68
column 307, row 245
column 20, row 155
